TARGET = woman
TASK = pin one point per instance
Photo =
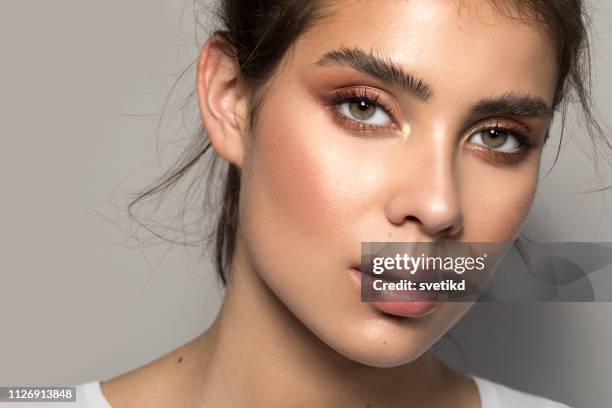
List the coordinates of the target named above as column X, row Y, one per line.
column 351, row 121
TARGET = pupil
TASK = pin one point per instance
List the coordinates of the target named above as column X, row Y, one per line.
column 363, row 105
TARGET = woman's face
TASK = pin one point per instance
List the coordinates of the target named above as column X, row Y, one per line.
column 376, row 127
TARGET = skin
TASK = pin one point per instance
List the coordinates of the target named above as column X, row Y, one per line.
column 292, row 330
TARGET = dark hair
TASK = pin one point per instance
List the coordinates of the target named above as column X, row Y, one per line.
column 259, row 32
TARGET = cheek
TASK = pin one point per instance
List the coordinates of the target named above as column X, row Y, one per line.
column 302, row 190
column 496, row 202
column 296, row 181
column 304, row 178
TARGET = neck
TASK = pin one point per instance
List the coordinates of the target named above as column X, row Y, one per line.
column 257, row 353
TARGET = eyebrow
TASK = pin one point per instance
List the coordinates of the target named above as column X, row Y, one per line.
column 379, row 67
column 386, row 70
column 514, row 103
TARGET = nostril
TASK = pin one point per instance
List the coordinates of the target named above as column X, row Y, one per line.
column 411, row 218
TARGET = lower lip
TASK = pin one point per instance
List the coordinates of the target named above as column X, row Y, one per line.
column 403, row 309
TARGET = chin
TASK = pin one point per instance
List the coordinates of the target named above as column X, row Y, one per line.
column 383, row 341
column 380, row 340
column 381, row 351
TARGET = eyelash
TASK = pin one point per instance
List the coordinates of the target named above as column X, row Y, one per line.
column 361, row 94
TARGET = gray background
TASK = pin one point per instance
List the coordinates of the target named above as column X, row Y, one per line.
column 81, row 84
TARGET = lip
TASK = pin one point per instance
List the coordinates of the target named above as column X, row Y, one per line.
column 409, row 309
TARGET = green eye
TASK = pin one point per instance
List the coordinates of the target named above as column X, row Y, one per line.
column 497, row 139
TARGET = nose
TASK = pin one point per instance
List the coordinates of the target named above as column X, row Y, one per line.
column 425, row 191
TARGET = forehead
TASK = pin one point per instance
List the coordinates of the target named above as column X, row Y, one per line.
column 455, row 45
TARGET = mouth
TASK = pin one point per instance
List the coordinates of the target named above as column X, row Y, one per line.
column 418, row 304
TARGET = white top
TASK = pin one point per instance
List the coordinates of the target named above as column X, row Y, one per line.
column 492, row 395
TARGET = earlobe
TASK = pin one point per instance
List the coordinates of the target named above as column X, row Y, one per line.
column 222, row 100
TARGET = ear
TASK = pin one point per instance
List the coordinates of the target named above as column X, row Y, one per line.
column 223, row 102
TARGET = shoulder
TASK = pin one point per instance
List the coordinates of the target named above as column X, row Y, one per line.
column 495, row 395
column 88, row 395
